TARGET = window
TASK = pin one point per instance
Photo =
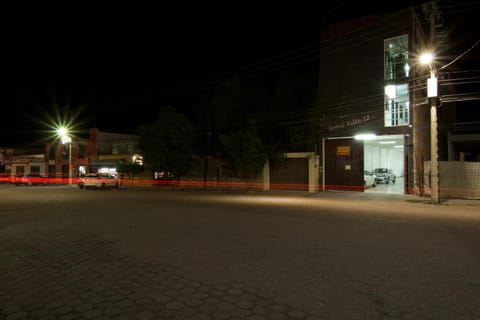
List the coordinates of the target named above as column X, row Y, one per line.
column 82, row 171
column 124, row 146
column 52, row 171
column 65, row 150
column 131, row 147
column 396, row 58
column 396, row 77
column 116, row 148
column 396, row 105
column 52, row 154
column 35, row 169
column 81, row 150
column 65, row 171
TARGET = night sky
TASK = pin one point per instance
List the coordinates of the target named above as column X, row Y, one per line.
column 116, row 66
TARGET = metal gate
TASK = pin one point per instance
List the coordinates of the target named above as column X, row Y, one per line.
column 344, row 164
column 290, row 174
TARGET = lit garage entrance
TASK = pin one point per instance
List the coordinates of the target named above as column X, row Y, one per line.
column 386, row 152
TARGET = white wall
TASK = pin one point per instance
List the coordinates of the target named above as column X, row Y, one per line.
column 379, row 156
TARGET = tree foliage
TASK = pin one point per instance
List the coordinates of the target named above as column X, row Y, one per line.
column 168, row 143
column 245, row 148
column 129, row 169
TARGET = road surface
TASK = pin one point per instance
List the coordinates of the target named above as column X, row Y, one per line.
column 67, row 253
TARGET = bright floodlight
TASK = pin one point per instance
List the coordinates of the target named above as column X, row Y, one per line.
column 366, row 136
column 426, row 58
column 62, row 132
column 391, row 91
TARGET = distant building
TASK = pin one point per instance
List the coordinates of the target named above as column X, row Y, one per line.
column 371, row 85
column 100, row 152
column 6, row 160
column 26, row 160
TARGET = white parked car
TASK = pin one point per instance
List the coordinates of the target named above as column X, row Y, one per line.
column 99, row 180
column 369, row 179
column 384, row 175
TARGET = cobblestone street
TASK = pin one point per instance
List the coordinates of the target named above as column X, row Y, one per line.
column 81, row 277
column 67, row 253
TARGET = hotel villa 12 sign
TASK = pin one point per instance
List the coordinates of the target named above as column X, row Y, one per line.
column 352, row 122
column 344, row 151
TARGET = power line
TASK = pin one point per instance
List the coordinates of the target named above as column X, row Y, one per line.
column 304, row 55
column 285, row 60
column 288, row 59
column 459, row 7
column 460, row 56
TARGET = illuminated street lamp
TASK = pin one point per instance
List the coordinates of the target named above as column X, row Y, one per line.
column 432, row 93
column 66, row 139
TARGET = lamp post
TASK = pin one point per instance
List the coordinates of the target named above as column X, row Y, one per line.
column 432, row 93
column 66, row 139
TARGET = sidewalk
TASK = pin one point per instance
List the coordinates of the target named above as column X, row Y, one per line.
column 331, row 194
column 394, row 197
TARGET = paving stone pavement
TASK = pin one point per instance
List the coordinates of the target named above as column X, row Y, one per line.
column 80, row 277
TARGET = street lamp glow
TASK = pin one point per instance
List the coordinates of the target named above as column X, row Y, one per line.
column 67, row 140
column 62, row 131
column 426, row 58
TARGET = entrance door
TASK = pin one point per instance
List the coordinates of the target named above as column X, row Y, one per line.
column 344, row 164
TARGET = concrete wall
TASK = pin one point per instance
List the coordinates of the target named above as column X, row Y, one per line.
column 457, row 179
column 220, row 175
column 27, row 162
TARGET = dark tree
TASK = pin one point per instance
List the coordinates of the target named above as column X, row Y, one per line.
column 129, row 169
column 245, row 149
column 168, row 144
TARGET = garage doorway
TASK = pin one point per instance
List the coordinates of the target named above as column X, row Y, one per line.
column 343, row 162
column 386, row 152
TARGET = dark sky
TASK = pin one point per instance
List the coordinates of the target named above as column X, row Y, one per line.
column 118, row 65
column 121, row 64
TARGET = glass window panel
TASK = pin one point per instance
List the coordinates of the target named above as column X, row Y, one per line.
column 397, row 105
column 396, row 58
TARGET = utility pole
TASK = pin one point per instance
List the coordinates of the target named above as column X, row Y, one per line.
column 433, row 140
column 208, row 133
column 432, row 96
